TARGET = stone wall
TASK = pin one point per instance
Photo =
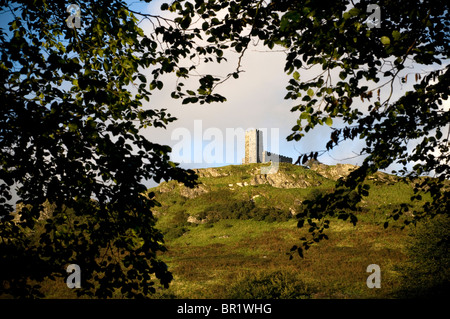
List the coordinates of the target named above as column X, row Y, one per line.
column 254, row 151
column 253, row 147
column 271, row 157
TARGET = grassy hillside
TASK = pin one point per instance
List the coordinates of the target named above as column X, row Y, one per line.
column 228, row 238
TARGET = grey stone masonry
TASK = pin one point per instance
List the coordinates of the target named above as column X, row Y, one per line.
column 254, row 151
column 253, row 146
column 271, row 157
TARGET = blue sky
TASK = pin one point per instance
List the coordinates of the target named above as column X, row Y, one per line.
column 254, row 100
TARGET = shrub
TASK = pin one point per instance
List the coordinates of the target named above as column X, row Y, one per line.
column 427, row 272
column 178, row 225
column 270, row 285
column 240, row 210
column 244, row 210
column 175, row 232
column 179, row 218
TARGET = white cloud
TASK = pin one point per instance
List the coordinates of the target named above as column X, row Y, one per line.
column 256, row 100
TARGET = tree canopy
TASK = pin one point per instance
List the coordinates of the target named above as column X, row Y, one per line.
column 72, row 109
column 381, row 75
column 73, row 101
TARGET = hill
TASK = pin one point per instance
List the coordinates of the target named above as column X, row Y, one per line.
column 223, row 190
column 228, row 237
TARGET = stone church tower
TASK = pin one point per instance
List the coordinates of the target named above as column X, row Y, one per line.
column 253, row 147
column 254, row 151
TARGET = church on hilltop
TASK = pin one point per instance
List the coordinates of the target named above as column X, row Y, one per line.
column 254, row 151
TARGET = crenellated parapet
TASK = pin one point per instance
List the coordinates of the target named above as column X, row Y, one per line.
column 272, row 157
column 254, row 151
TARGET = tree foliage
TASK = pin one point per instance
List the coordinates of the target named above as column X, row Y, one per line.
column 72, row 110
column 73, row 106
column 384, row 81
column 427, row 272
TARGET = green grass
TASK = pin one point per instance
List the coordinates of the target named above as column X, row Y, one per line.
column 206, row 261
column 218, row 259
column 209, row 259
column 227, row 232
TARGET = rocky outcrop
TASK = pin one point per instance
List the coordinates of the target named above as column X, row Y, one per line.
column 165, row 187
column 333, row 172
column 282, row 180
column 341, row 170
column 279, row 179
column 194, row 220
column 210, row 172
column 192, row 192
column 185, row 191
column 46, row 212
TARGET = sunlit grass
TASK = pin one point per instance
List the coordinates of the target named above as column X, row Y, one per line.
column 208, row 260
column 336, row 268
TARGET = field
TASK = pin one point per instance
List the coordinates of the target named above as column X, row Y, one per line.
column 246, row 257
column 230, row 238
column 214, row 262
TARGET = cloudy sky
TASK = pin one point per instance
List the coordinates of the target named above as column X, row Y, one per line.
column 254, row 100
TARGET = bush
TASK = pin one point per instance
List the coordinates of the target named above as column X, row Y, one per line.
column 244, row 210
column 178, row 225
column 179, row 218
column 315, row 193
column 239, row 210
column 270, row 285
column 427, row 272
column 175, row 232
column 271, row 214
